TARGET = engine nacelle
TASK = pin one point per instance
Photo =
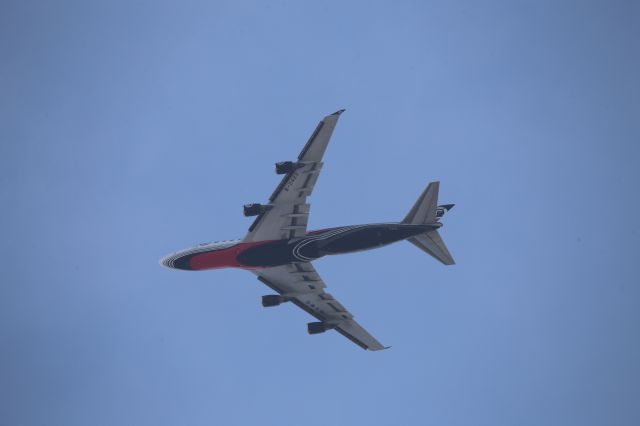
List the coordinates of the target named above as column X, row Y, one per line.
column 273, row 300
column 317, row 327
column 255, row 209
column 284, row 167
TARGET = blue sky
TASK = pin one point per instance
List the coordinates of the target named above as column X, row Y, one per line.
column 132, row 129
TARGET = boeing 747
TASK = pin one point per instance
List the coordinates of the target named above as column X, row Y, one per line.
column 279, row 249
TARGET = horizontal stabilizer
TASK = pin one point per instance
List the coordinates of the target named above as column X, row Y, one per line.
column 432, row 243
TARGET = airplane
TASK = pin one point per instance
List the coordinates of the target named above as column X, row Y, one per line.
column 279, row 249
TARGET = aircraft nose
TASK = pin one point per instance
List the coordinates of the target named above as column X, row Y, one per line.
column 179, row 260
column 172, row 261
column 165, row 261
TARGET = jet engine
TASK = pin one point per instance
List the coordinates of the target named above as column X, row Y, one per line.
column 255, row 209
column 285, row 167
column 318, row 327
column 273, row 300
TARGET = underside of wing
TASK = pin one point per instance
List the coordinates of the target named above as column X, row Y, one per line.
column 300, row 284
column 287, row 213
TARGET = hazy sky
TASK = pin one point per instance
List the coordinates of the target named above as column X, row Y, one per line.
column 132, row 129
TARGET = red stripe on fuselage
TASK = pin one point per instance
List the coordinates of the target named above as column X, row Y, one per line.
column 227, row 258
column 224, row 258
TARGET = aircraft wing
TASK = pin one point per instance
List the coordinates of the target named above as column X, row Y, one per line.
column 288, row 211
column 300, row 284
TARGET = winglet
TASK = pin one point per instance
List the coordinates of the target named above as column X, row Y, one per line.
column 340, row 111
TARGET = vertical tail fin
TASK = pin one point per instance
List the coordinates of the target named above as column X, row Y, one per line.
column 427, row 211
column 424, row 210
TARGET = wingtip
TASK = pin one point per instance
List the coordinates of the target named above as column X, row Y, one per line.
column 340, row 111
column 378, row 348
